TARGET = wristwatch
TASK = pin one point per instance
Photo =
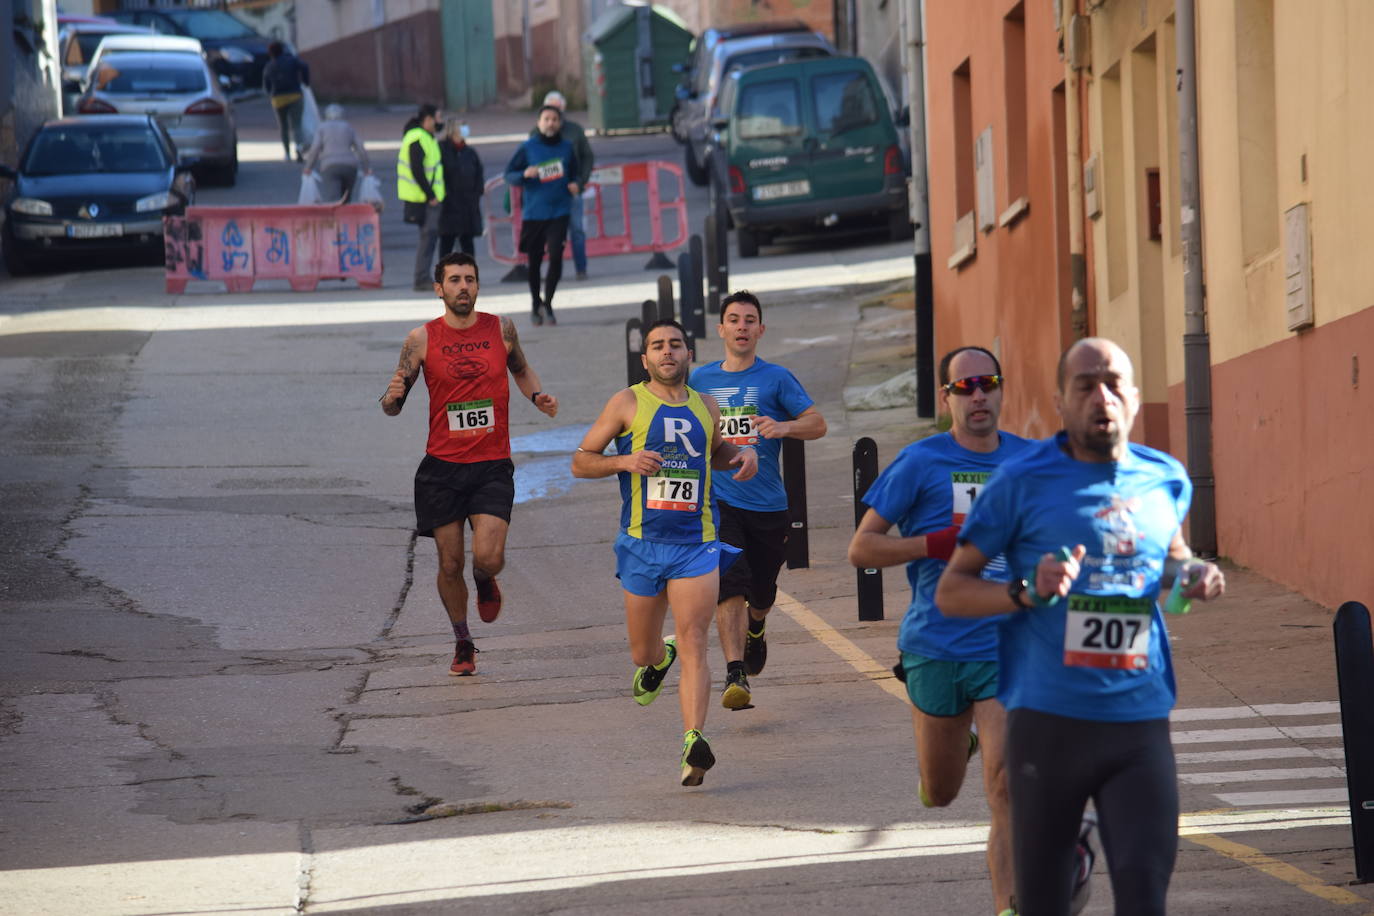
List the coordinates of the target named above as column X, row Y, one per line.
column 1017, row 589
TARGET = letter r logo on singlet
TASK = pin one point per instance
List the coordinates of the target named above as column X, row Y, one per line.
column 677, row 428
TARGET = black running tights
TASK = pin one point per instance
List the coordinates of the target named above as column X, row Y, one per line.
column 554, row 239
column 1054, row 765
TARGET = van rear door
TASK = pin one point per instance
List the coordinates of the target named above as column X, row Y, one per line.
column 767, row 131
column 852, row 128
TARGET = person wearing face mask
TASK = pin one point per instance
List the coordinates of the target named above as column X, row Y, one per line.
column 460, row 215
column 545, row 169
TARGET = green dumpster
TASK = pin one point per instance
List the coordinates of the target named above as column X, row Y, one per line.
column 628, row 57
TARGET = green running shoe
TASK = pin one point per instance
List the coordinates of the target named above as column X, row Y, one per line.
column 648, row 681
column 755, row 647
column 696, row 758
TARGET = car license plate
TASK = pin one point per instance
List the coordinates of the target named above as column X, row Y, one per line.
column 782, row 189
column 94, row 230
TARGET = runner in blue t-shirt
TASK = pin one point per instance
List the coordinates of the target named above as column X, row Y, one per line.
column 761, row 403
column 1093, row 523
column 949, row 664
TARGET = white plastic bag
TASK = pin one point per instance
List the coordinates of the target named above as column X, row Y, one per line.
column 310, row 190
column 310, row 119
column 370, row 192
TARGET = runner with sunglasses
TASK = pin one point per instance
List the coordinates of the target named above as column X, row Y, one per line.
column 949, row 664
column 1093, row 523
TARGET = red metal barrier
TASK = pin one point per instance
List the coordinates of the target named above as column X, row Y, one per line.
column 503, row 212
column 239, row 245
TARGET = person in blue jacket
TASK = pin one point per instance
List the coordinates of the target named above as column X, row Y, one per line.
column 545, row 169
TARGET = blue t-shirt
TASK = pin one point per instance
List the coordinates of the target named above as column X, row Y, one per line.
column 930, row 485
column 1102, row 653
column 764, row 389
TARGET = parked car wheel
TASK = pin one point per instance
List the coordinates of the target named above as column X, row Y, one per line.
column 698, row 174
column 15, row 262
column 675, row 125
column 226, row 175
column 748, row 241
column 899, row 226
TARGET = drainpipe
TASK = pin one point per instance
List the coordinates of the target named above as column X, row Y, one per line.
column 1078, row 267
column 1197, row 348
column 913, row 43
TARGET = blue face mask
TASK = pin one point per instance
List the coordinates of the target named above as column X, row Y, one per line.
column 464, row 131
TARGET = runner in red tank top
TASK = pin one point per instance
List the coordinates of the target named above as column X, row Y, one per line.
column 466, row 474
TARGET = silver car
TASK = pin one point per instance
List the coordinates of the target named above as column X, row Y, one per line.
column 180, row 91
column 76, row 46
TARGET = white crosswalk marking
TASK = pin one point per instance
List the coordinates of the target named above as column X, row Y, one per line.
column 1322, row 783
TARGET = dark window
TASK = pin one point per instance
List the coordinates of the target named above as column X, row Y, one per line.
column 769, row 109
column 1153, row 209
column 209, row 24
column 84, row 150
column 142, row 77
column 843, row 101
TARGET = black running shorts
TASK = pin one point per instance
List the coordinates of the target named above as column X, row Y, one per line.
column 449, row 492
column 762, row 536
column 538, row 234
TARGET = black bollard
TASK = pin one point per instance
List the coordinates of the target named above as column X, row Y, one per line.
column 722, row 226
column 794, row 482
column 666, row 308
column 697, row 313
column 1355, row 675
column 634, row 366
column 870, row 594
column 712, row 275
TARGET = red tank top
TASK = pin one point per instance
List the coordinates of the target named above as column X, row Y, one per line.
column 469, row 396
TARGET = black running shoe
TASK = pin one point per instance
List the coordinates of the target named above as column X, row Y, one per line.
column 696, row 758
column 755, row 647
column 736, row 695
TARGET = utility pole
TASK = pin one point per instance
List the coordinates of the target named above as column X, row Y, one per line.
column 1197, row 346
column 913, row 60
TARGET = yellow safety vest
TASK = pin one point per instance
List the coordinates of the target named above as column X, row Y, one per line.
column 406, row 186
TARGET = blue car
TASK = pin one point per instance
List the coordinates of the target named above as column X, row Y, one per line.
column 92, row 185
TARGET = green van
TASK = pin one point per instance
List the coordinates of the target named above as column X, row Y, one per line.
column 808, row 144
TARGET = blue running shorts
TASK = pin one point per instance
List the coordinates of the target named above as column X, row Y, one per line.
column 944, row 688
column 644, row 567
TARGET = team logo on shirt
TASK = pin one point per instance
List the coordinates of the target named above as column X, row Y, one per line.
column 1120, row 536
column 467, row 367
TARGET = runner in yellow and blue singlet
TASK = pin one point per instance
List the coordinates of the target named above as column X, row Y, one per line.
column 674, row 506
column 667, row 444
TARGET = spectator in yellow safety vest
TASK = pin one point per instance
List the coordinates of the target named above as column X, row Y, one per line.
column 420, row 186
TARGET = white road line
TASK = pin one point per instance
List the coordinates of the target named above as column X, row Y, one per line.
column 1261, row 753
column 1269, row 710
column 1285, row 799
column 1223, row 778
column 1268, row 733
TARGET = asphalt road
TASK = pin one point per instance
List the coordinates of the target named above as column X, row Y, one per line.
column 223, row 664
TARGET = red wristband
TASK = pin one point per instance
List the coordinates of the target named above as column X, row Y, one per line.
column 940, row 544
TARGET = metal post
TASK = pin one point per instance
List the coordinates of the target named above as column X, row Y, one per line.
column 1197, row 347
column 634, row 366
column 722, row 246
column 870, row 592
column 794, row 482
column 1355, row 676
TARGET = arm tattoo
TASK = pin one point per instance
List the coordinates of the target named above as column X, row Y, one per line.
column 410, row 364
column 515, row 357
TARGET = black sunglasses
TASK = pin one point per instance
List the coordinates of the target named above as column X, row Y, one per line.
column 988, row 383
